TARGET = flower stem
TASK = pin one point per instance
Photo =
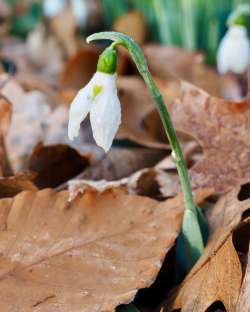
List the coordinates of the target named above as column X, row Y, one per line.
column 191, row 231
column 174, row 143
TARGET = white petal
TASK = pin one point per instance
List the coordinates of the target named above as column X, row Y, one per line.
column 79, row 109
column 234, row 51
column 105, row 114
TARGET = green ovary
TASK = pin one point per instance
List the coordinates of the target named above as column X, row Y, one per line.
column 95, row 91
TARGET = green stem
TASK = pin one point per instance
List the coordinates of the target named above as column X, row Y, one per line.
column 193, row 238
column 173, row 140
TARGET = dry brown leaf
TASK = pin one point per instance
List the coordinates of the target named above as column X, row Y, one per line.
column 218, row 274
column 136, row 104
column 30, row 113
column 218, row 280
column 56, row 164
column 222, row 128
column 243, row 301
column 64, row 26
column 76, row 187
column 120, row 163
column 11, row 186
column 133, row 25
column 151, row 182
column 5, row 116
column 165, row 61
column 154, row 183
column 90, row 255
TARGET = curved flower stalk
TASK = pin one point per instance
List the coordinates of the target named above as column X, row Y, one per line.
column 234, row 49
column 101, row 101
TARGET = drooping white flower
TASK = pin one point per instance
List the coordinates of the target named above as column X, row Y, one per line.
column 99, row 98
column 234, row 51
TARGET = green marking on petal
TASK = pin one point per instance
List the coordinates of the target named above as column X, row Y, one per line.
column 95, row 91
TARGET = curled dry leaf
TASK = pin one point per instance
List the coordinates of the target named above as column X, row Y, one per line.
column 136, row 104
column 154, row 183
column 76, row 187
column 120, row 163
column 11, row 186
column 151, row 182
column 222, row 128
column 217, row 276
column 88, row 255
column 5, row 116
column 56, row 164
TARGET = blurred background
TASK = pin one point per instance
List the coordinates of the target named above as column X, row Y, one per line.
column 47, row 37
column 190, row 24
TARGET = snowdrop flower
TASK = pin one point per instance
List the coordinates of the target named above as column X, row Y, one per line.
column 234, row 51
column 99, row 98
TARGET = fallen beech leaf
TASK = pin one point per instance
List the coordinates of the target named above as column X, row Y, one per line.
column 120, row 163
column 90, row 255
column 165, row 61
column 29, row 114
column 5, row 115
column 136, row 104
column 56, row 164
column 222, row 128
column 218, row 273
column 64, row 26
column 218, row 280
column 76, row 187
column 153, row 183
column 133, row 25
column 11, row 186
column 243, row 301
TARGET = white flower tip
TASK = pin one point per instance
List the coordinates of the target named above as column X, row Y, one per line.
column 73, row 131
